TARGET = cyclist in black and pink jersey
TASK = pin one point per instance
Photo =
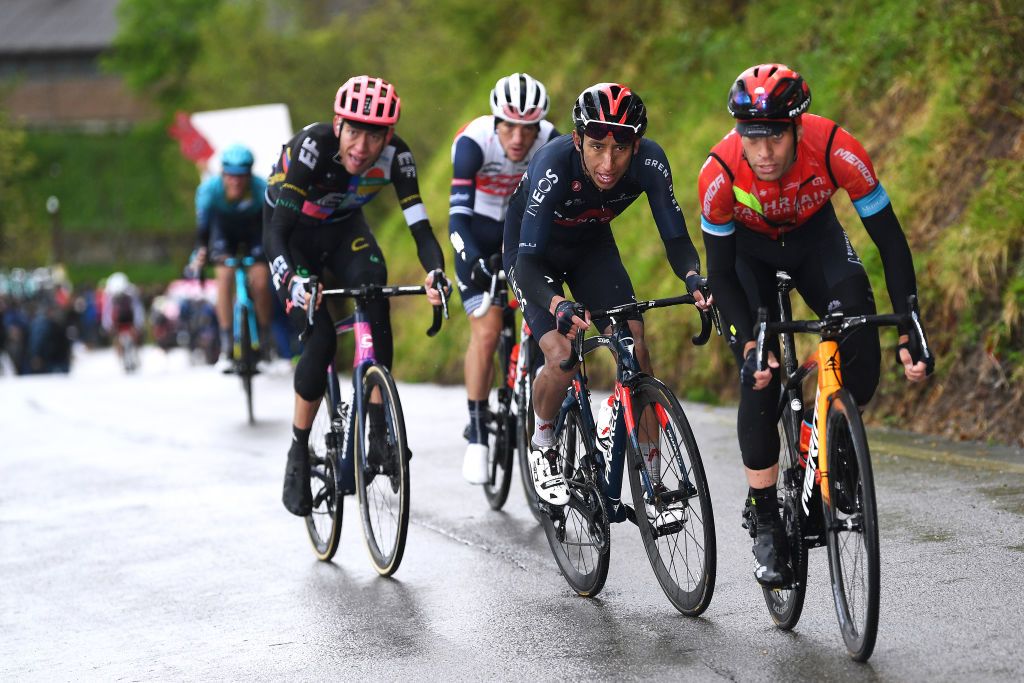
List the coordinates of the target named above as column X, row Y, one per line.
column 765, row 194
column 313, row 219
column 558, row 231
column 489, row 156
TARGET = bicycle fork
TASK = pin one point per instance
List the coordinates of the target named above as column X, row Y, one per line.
column 829, row 382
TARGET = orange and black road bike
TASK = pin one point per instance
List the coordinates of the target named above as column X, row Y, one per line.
column 826, row 489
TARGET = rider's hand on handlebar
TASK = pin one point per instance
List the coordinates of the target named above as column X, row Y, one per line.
column 750, row 376
column 697, row 286
column 298, row 292
column 567, row 318
column 914, row 372
column 482, row 274
column 433, row 295
column 198, row 260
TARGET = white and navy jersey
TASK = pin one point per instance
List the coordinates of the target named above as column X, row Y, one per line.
column 483, row 180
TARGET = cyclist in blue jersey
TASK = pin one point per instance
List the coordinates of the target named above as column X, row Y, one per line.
column 229, row 217
column 313, row 221
column 489, row 156
column 557, row 231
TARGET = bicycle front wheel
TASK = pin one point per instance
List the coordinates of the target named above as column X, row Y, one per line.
column 677, row 525
column 785, row 605
column 578, row 532
column 382, row 473
column 324, row 523
column 500, row 444
column 851, row 527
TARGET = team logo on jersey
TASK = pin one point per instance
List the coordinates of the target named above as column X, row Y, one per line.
column 359, row 243
column 577, row 186
column 309, row 153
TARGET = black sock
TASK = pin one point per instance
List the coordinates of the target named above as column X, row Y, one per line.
column 300, row 441
column 376, row 413
column 766, row 504
column 477, row 411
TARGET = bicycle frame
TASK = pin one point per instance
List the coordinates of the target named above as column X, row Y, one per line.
column 624, row 426
column 243, row 300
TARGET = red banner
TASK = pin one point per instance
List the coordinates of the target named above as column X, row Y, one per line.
column 193, row 145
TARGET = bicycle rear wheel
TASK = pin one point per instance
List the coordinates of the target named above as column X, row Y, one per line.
column 786, row 604
column 383, row 485
column 677, row 527
column 578, row 532
column 246, row 366
column 324, row 523
column 500, row 444
column 851, row 527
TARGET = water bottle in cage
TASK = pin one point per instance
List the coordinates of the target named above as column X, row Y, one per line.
column 341, row 425
column 606, row 423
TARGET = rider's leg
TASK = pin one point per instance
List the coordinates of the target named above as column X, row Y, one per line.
column 225, row 278
column 259, row 286
column 479, row 364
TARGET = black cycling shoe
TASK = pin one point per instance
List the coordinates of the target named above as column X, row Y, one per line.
column 771, row 556
column 297, row 496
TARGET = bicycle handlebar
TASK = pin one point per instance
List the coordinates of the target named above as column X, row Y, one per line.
column 699, row 339
column 375, row 292
column 836, row 323
column 488, row 300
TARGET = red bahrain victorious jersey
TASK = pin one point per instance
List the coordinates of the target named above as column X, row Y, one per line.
column 827, row 158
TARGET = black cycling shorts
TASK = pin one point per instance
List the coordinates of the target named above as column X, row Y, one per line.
column 227, row 234
column 829, row 276
column 594, row 272
column 486, row 234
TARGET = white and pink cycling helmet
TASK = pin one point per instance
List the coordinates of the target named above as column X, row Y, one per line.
column 519, row 98
column 369, row 100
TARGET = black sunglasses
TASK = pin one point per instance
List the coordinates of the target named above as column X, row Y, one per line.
column 599, row 130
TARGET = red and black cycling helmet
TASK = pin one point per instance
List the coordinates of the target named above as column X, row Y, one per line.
column 368, row 100
column 613, row 108
column 771, row 93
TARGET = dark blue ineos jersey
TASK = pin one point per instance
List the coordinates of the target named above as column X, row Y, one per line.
column 557, row 204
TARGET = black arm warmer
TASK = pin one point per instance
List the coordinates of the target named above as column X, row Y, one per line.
column 682, row 256
column 427, row 248
column 884, row 229
column 726, row 288
column 529, row 278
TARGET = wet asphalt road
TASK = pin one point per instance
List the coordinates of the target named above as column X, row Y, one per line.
column 141, row 537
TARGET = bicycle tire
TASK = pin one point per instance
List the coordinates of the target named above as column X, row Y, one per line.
column 383, row 490
column 246, row 365
column 324, row 523
column 683, row 553
column 578, row 533
column 851, row 519
column 524, row 432
column 500, row 444
column 785, row 605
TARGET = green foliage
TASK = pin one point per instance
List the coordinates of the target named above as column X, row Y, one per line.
column 156, row 43
column 134, row 181
column 21, row 242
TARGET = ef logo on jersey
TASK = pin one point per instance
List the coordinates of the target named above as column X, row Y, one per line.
column 308, row 154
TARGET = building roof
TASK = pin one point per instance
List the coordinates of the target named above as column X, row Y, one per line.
column 41, row 26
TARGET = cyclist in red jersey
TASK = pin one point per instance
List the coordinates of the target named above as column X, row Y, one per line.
column 765, row 193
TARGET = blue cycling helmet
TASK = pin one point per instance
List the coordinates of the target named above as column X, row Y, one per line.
column 236, row 160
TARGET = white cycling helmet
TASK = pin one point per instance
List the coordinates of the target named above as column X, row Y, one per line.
column 519, row 98
column 117, row 283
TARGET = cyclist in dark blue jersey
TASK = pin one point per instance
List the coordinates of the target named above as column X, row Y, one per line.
column 228, row 217
column 313, row 221
column 557, row 231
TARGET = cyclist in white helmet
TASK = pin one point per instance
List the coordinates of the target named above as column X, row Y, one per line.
column 489, row 155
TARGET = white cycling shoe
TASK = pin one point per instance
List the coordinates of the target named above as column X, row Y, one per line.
column 474, row 464
column 547, row 476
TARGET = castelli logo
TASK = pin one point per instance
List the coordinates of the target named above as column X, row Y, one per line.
column 576, row 186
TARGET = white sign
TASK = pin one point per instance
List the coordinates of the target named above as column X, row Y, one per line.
column 263, row 129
